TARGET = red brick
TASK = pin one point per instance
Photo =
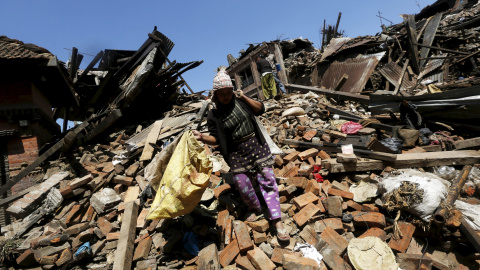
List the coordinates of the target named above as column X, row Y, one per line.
column 292, row 262
column 104, row 225
column 260, row 260
column 124, row 180
column 89, row 214
column 334, row 223
column 305, row 199
column 333, row 260
column 309, row 235
column 313, row 187
column 259, row 237
column 341, row 193
column 73, row 214
column 401, row 245
column 141, row 219
column 221, row 225
column 375, row 232
column 308, row 153
column 309, row 135
column 143, row 249
column 222, row 190
column 27, row 258
column 244, row 263
column 243, row 237
column 82, row 237
column 65, row 257
column 305, row 214
column 259, row 225
column 228, row 231
column 229, row 253
column 334, row 240
column 366, row 207
column 113, row 236
column 370, row 219
column 278, row 160
column 299, row 182
column 323, row 155
column 277, row 254
column 356, row 206
column 412, row 261
column 291, row 157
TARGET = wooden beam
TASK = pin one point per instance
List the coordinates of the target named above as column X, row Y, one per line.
column 151, row 138
column 400, row 80
column 330, row 93
column 126, row 241
column 89, row 67
column 410, row 25
column 409, row 160
column 468, row 143
column 111, row 118
column 442, row 49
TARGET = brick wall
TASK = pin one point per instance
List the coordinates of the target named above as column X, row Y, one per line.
column 22, row 150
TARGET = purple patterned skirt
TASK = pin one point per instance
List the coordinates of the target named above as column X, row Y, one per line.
column 250, row 156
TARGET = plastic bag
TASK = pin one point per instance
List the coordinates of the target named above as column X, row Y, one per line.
column 393, row 144
column 433, row 187
column 155, row 169
column 351, row 128
column 445, row 172
column 184, row 180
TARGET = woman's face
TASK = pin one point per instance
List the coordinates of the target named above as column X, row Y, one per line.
column 224, row 95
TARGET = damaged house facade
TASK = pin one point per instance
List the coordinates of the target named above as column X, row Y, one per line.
column 33, row 84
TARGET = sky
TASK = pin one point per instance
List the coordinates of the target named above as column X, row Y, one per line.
column 201, row 30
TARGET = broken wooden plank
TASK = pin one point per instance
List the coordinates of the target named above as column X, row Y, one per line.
column 407, row 160
column 126, row 241
column 400, row 80
column 151, row 138
column 468, row 143
column 410, row 25
column 329, row 93
column 111, row 118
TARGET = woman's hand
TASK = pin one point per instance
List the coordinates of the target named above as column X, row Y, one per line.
column 239, row 94
column 197, row 135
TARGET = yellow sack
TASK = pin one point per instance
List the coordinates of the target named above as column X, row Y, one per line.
column 184, row 180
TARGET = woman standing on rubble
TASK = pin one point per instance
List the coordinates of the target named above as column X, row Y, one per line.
column 233, row 127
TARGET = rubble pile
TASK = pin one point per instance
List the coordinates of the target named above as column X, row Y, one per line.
column 330, row 194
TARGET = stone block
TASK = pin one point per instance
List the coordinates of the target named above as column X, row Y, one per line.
column 104, row 200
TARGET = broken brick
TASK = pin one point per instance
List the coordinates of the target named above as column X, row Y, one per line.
column 334, row 240
column 143, row 249
column 259, row 259
column 401, row 244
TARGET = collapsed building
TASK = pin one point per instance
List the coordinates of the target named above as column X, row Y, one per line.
column 376, row 156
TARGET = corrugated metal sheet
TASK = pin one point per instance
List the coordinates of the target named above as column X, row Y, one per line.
column 358, row 71
column 379, row 56
column 435, row 76
column 431, row 66
column 334, row 45
column 391, row 71
column 359, row 43
column 171, row 122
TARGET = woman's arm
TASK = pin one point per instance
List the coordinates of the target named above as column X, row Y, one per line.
column 256, row 106
column 204, row 138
